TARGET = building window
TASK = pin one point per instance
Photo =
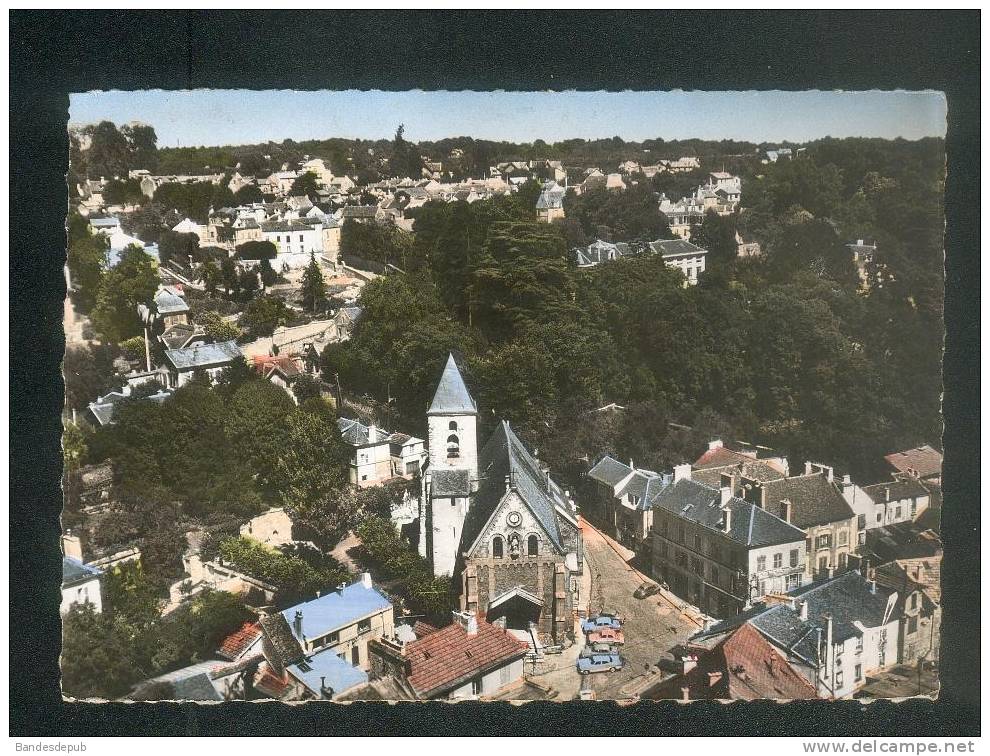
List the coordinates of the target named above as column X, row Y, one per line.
column 697, row 566
column 795, row 556
column 697, row 543
column 838, row 680
column 453, row 447
column 823, row 541
column 364, row 626
column 897, row 512
column 914, row 600
column 858, row 672
column 714, row 575
column 680, row 534
column 843, row 537
column 532, row 545
column 498, row 547
column 793, row 581
column 778, row 560
column 859, row 644
column 912, row 625
column 356, row 655
column 861, row 522
column 453, row 425
column 914, row 507
column 761, row 563
column 823, row 564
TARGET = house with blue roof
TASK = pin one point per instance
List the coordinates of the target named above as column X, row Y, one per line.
column 212, row 359
column 342, row 621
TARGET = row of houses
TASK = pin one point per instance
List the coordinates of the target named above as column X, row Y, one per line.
column 348, row 644
column 735, row 527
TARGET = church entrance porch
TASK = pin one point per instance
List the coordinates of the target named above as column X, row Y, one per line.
column 516, row 609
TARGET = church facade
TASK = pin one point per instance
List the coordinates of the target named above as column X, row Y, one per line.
column 496, row 521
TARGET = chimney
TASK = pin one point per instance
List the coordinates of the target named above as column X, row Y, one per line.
column 688, row 662
column 846, row 481
column 727, row 519
column 682, row 472
column 632, row 464
column 804, row 611
column 72, row 546
column 715, row 443
column 886, row 491
column 873, row 586
column 685, row 694
column 297, row 623
column 366, row 580
column 725, row 480
column 785, row 510
column 830, row 573
column 807, row 468
column 763, row 496
column 725, row 494
column 467, row 620
column 713, row 678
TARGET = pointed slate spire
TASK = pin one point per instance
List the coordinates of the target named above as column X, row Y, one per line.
column 452, row 396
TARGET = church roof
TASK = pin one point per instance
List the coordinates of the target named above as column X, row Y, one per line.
column 504, row 456
column 452, row 396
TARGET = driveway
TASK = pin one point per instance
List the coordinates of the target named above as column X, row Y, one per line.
column 651, row 626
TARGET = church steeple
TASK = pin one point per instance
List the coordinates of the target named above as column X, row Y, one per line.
column 452, row 396
column 453, row 423
column 452, row 474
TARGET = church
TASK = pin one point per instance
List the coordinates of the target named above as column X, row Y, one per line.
column 496, row 521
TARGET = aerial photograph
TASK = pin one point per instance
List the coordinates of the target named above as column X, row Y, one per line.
column 503, row 396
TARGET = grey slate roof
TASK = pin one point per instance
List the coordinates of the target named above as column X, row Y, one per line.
column 283, row 642
column 356, row 433
column 505, row 456
column 167, row 302
column 675, row 248
column 749, row 525
column 906, row 488
column 451, row 482
column 847, row 598
column 609, row 471
column 814, row 501
column 75, row 572
column 203, row 355
column 550, row 201
column 452, row 396
column 646, row 486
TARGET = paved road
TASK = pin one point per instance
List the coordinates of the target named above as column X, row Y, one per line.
column 651, row 626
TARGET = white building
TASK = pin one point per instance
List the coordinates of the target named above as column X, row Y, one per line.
column 80, row 585
column 683, row 255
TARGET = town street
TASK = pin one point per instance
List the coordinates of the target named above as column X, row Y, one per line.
column 651, row 626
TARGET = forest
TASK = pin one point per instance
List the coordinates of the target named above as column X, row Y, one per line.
column 786, row 350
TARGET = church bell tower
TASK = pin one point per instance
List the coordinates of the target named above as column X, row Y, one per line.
column 452, row 475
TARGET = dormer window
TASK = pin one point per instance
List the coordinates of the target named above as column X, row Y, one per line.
column 453, row 447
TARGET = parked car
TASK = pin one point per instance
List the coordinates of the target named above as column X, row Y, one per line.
column 601, row 648
column 599, row 663
column 646, row 590
column 607, row 635
column 600, row 622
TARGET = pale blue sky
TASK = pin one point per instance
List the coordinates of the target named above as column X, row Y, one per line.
column 219, row 117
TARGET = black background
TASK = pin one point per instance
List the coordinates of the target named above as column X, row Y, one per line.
column 54, row 53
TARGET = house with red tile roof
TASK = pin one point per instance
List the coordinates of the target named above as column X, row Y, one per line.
column 741, row 667
column 242, row 642
column 468, row 658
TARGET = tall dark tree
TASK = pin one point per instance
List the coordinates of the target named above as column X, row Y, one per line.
column 314, row 288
